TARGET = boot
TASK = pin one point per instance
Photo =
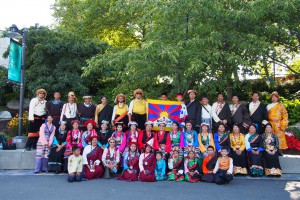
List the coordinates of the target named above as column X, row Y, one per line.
column 78, row 178
column 107, row 173
column 71, row 178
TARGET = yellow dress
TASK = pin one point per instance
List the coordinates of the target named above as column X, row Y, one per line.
column 278, row 118
column 204, row 143
column 239, row 161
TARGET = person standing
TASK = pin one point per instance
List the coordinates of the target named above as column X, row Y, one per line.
column 137, row 109
column 206, row 112
column 54, row 108
column 120, row 111
column 258, row 113
column 183, row 111
column 278, row 118
column 69, row 111
column 86, row 110
column 239, row 115
column 47, row 132
column 103, row 111
column 36, row 117
column 194, row 110
column 221, row 113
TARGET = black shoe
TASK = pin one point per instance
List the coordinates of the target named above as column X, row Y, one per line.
column 280, row 154
column 57, row 172
column 28, row 149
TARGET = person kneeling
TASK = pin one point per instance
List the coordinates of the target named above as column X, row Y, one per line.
column 130, row 163
column 224, row 168
column 160, row 170
column 175, row 164
column 75, row 165
column 147, row 164
column 192, row 167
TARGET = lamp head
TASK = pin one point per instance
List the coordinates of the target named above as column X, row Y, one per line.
column 13, row 32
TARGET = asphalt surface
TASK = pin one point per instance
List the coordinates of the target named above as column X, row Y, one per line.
column 43, row 187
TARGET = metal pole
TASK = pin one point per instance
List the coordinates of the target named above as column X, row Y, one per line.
column 274, row 67
column 22, row 84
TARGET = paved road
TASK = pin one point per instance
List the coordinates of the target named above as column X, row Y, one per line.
column 39, row 187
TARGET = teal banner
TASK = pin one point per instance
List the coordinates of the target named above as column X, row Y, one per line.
column 14, row 63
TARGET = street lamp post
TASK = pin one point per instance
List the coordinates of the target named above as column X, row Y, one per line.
column 14, row 33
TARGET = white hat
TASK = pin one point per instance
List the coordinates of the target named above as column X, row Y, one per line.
column 132, row 123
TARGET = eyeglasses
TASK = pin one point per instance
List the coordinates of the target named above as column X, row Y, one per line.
column 41, row 93
column 139, row 93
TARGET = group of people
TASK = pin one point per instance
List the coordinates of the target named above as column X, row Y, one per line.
column 208, row 143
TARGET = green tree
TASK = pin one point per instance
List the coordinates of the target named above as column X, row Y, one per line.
column 199, row 44
column 55, row 59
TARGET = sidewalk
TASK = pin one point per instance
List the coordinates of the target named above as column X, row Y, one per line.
column 284, row 177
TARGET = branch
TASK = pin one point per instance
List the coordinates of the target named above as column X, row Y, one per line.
column 283, row 64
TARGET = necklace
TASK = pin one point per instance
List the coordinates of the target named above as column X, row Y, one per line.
column 123, row 104
column 237, row 138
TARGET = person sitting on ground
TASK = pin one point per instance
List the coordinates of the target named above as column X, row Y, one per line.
column 224, row 168
column 111, row 159
column 209, row 164
column 75, row 165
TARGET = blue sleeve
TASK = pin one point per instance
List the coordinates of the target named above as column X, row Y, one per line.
column 249, row 149
column 155, row 171
column 260, row 149
column 218, row 147
column 54, row 141
column 125, row 157
column 83, row 141
column 164, row 167
column 106, row 146
column 196, row 142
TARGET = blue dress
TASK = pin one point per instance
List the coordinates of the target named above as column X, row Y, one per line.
column 160, row 170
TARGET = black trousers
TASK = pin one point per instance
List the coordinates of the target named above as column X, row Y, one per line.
column 140, row 119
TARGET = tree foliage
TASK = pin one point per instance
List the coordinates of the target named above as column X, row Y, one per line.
column 55, row 59
column 193, row 44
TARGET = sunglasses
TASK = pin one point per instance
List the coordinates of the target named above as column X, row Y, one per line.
column 139, row 93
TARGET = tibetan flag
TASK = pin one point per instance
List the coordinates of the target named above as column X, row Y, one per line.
column 167, row 111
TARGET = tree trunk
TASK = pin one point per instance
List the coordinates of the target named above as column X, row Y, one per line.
column 229, row 90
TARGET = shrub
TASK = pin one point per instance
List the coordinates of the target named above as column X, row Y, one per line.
column 14, row 123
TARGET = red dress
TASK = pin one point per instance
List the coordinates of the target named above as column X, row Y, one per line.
column 131, row 161
column 95, row 154
column 143, row 138
column 148, row 163
column 162, row 141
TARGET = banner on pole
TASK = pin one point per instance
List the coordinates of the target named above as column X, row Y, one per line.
column 14, row 63
column 166, row 111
